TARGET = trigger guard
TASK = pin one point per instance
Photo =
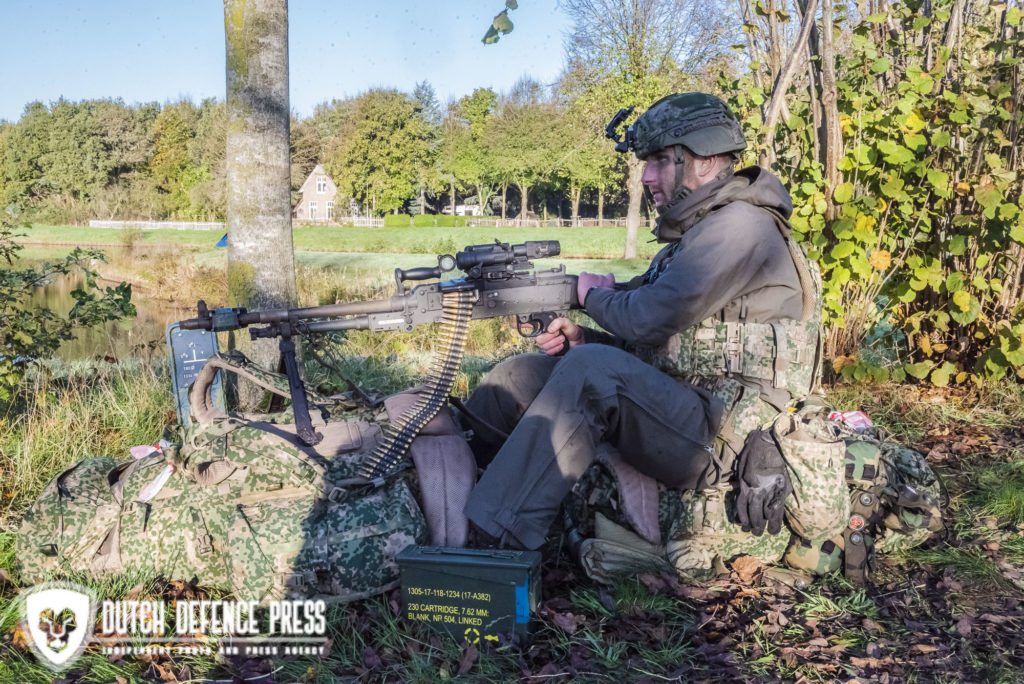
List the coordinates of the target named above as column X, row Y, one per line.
column 535, row 326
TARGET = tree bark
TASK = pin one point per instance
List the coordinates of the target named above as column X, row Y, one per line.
column 524, row 194
column 782, row 82
column 453, row 199
column 600, row 205
column 261, row 262
column 504, row 197
column 636, row 195
column 832, row 149
column 574, row 194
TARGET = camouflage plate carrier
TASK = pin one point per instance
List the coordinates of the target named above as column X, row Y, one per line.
column 238, row 503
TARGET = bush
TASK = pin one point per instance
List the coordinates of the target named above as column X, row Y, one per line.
column 29, row 333
column 423, row 220
column 396, row 220
column 445, row 221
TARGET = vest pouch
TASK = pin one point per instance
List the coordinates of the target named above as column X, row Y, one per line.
column 819, row 558
column 264, row 540
column 66, row 525
column 705, row 531
column 819, row 507
column 341, row 548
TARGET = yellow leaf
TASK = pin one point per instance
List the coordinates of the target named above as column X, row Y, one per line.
column 865, row 222
column 924, row 344
column 961, row 376
column 841, row 362
column 962, row 189
column 914, row 122
column 962, row 299
column 939, row 348
column 882, row 205
column 880, row 259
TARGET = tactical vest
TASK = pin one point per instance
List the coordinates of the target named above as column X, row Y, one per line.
column 786, row 354
column 859, row 495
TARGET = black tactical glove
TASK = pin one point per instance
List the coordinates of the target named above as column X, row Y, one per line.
column 764, row 484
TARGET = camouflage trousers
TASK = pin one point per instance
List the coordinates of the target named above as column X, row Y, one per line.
column 557, row 410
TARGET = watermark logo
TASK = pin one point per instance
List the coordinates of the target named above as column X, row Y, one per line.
column 58, row 617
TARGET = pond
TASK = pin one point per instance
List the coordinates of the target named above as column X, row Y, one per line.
column 142, row 336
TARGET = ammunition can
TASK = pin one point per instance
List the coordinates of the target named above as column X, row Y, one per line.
column 473, row 594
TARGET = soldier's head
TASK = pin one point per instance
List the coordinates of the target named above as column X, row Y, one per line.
column 687, row 140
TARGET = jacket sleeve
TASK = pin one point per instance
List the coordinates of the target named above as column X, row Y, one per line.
column 713, row 264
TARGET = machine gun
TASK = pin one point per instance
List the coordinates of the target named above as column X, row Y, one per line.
column 499, row 280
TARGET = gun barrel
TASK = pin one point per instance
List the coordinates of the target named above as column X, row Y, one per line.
column 331, row 310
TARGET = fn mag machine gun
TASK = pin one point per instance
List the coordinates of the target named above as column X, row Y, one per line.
column 497, row 279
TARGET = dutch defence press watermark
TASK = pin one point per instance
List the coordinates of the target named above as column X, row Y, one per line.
column 61, row 619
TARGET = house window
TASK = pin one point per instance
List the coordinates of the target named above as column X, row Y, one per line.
column 330, row 211
column 312, row 210
column 321, row 185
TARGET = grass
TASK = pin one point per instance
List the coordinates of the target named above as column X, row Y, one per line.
column 628, row 631
column 577, row 243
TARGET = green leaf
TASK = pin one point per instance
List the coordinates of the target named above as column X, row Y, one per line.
column 898, row 375
column 880, row 65
column 502, row 24
column 843, row 250
column 965, row 317
column 940, row 376
column 511, row 4
column 941, row 139
column 490, row 37
column 843, row 192
column 1013, row 16
column 954, row 282
column 808, row 189
column 876, row 18
column 938, row 179
column 918, row 370
column 958, row 245
column 842, row 228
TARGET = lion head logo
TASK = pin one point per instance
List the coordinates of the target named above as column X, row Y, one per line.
column 57, row 625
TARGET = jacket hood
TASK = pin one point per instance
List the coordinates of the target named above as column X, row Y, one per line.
column 753, row 185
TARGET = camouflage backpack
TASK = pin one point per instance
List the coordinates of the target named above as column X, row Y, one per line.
column 239, row 503
column 855, row 495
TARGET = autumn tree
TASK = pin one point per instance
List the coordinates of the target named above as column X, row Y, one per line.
column 633, row 53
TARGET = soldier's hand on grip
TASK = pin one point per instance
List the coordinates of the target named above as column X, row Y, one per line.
column 763, row 484
column 562, row 334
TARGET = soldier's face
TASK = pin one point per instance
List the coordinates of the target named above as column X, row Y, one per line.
column 660, row 175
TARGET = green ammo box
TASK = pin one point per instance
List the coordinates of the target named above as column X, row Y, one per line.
column 473, row 594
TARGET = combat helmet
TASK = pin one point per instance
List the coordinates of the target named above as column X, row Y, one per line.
column 700, row 122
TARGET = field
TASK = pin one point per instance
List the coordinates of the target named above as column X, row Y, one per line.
column 950, row 611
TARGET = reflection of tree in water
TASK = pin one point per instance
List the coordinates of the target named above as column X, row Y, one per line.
column 120, row 339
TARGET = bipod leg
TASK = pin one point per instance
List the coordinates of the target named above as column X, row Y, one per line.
column 303, row 423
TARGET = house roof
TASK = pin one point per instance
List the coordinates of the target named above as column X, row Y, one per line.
column 317, row 171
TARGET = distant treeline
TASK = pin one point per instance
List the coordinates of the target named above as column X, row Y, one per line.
column 528, row 149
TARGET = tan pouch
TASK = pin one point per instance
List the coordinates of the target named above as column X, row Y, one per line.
column 819, row 507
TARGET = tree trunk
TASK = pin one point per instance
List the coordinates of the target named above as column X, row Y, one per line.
column 504, row 196
column 423, row 200
column 636, row 195
column 261, row 262
column 453, row 199
column 524, row 194
column 830, row 108
column 600, row 205
column 575, row 193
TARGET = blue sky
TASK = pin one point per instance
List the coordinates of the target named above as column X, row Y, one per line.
column 142, row 51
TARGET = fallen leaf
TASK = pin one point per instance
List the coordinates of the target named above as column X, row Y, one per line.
column 469, row 656
column 746, row 568
column 924, row 648
column 567, row 621
column 964, row 626
column 371, row 658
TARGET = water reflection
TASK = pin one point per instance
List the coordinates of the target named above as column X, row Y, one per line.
column 140, row 336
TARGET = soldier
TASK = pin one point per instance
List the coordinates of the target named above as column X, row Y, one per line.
column 716, row 337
